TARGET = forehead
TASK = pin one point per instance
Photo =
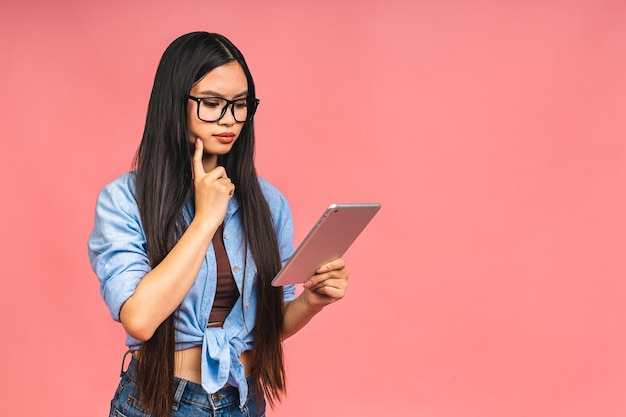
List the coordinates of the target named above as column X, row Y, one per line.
column 225, row 80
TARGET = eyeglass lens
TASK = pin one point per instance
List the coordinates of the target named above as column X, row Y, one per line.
column 211, row 109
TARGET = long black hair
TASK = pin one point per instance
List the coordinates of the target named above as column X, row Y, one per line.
column 164, row 184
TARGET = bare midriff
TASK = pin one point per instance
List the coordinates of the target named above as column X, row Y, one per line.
column 188, row 363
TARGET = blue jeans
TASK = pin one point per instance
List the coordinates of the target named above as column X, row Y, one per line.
column 190, row 399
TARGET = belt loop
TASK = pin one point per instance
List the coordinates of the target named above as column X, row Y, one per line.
column 178, row 395
column 122, row 372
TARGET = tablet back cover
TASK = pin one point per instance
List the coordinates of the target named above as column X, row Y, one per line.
column 328, row 240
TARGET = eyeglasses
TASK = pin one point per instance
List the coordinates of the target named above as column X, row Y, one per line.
column 212, row 109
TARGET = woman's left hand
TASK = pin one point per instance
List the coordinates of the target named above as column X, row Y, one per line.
column 328, row 285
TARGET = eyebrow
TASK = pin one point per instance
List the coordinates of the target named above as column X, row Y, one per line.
column 212, row 93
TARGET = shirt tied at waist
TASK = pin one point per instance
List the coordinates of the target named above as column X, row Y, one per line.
column 221, row 364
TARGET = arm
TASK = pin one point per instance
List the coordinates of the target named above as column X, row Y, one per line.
column 327, row 286
column 162, row 289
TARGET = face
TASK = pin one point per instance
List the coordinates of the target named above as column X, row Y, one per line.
column 227, row 81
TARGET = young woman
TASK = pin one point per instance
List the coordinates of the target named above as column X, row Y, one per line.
column 185, row 247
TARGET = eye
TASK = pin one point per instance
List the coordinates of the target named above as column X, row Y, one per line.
column 211, row 102
column 241, row 104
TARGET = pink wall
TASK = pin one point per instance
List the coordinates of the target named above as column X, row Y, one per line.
column 491, row 283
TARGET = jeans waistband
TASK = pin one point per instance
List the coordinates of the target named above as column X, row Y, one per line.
column 191, row 392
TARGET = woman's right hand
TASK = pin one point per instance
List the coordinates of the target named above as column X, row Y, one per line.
column 212, row 190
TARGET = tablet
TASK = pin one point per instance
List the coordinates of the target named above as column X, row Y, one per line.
column 328, row 240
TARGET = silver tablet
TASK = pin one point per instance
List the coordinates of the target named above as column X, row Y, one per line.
column 328, row 240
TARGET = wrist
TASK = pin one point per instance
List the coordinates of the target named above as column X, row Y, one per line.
column 205, row 224
column 305, row 302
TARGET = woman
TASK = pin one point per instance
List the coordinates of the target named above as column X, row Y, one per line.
column 186, row 245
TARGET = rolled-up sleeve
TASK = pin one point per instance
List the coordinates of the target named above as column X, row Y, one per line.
column 117, row 244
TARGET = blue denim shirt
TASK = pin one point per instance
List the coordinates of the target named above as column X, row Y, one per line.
column 117, row 251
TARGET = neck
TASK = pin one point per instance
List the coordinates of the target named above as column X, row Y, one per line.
column 209, row 162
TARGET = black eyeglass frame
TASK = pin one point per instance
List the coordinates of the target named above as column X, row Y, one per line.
column 251, row 103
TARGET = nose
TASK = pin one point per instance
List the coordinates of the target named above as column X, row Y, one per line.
column 228, row 118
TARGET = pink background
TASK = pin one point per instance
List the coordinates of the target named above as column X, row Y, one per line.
column 490, row 284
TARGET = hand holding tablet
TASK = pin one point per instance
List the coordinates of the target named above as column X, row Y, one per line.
column 328, row 240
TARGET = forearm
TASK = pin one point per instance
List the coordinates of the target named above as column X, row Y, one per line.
column 162, row 290
column 297, row 314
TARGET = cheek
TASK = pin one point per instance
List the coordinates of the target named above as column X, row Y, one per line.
column 238, row 129
column 192, row 129
column 191, row 122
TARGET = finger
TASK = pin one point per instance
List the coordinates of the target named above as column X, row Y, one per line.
column 333, row 279
column 218, row 174
column 331, row 293
column 332, row 266
column 340, row 276
column 327, row 285
column 226, row 182
column 198, row 168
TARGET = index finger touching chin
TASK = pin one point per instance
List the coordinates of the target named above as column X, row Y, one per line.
column 198, row 168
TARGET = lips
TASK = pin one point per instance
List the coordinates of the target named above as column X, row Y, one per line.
column 225, row 137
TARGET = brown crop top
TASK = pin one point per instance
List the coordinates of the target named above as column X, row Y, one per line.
column 226, row 293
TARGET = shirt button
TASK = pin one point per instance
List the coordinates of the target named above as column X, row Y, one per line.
column 226, row 236
column 236, row 269
column 248, row 304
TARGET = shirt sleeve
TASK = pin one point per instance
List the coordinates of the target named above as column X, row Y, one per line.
column 117, row 244
column 286, row 248
column 283, row 222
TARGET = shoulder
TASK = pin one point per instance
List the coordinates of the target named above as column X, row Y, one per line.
column 123, row 183
column 267, row 187
column 121, row 190
column 278, row 204
column 274, row 197
column 117, row 198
